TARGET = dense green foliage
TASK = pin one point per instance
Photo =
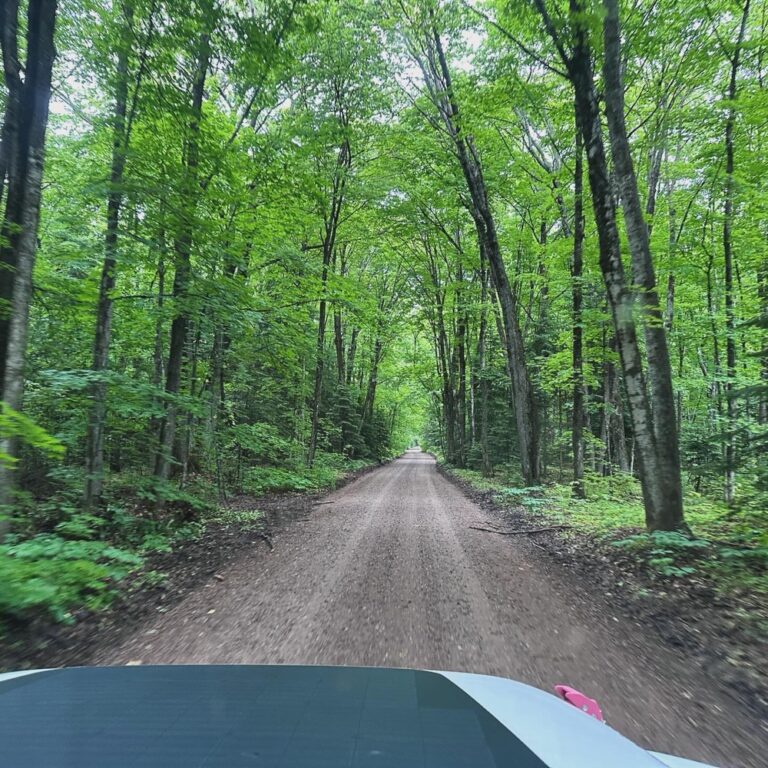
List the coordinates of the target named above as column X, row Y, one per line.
column 258, row 265
column 729, row 550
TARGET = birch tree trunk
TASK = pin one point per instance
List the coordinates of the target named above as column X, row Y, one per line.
column 660, row 484
column 669, row 512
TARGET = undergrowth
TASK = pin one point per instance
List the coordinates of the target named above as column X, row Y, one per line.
column 60, row 558
column 729, row 547
column 326, row 471
column 80, row 562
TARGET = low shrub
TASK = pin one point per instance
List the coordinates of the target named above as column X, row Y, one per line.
column 51, row 574
column 730, row 548
column 324, row 473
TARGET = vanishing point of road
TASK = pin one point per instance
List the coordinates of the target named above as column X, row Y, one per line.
column 387, row 572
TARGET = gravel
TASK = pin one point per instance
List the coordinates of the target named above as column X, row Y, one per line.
column 388, row 572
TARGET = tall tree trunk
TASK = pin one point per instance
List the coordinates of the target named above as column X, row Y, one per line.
column 351, row 353
column 460, row 368
column 612, row 433
column 342, row 393
column 577, row 358
column 619, row 296
column 481, row 357
column 762, row 408
column 24, row 128
column 669, row 312
column 158, row 368
column 526, row 411
column 184, row 440
column 233, row 268
column 183, row 273
column 338, row 341
column 331, row 226
column 660, row 474
column 730, row 319
column 669, row 513
column 445, row 370
column 24, row 171
column 338, row 328
column 714, row 388
column 715, row 385
column 373, row 380
column 461, row 394
column 13, row 153
column 94, row 448
column 9, row 156
column 319, row 361
column 158, row 360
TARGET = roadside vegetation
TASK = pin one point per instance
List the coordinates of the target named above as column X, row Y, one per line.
column 60, row 559
column 726, row 547
column 246, row 247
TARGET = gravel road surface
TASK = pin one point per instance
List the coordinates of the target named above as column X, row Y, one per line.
column 387, row 572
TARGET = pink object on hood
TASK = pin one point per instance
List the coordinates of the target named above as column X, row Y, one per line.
column 579, row 700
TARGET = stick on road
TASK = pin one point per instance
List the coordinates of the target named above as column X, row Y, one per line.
column 391, row 574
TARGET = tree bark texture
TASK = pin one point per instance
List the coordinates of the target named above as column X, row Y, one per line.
column 729, row 489
column 23, row 154
column 94, row 448
column 526, row 411
column 331, row 227
column 577, row 263
column 182, row 253
column 668, row 513
column 659, row 472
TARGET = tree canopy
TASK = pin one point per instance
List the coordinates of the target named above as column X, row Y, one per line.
column 246, row 239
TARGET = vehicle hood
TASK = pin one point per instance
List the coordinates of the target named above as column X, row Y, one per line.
column 299, row 717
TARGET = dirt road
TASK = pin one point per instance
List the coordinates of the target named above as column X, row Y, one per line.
column 387, row 572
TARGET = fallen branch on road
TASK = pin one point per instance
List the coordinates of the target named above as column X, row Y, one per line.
column 519, row 533
column 265, row 537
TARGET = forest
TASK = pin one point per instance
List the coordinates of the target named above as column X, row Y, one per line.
column 249, row 246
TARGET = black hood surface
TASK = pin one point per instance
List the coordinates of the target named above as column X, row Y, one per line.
column 238, row 716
